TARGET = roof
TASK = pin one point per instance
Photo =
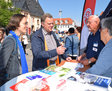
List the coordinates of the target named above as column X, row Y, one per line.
column 31, row 6
column 63, row 21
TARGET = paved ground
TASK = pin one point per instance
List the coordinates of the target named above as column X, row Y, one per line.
column 29, row 57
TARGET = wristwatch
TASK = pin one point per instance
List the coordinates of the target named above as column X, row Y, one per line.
column 89, row 61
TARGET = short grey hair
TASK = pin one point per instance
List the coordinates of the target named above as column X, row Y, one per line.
column 45, row 16
column 107, row 23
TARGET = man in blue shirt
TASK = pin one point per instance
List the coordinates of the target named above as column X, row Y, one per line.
column 103, row 64
column 94, row 44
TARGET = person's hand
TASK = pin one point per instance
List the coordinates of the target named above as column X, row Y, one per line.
column 84, row 62
column 79, row 58
column 60, row 50
column 68, row 59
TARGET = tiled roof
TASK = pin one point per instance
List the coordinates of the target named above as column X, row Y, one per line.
column 63, row 21
column 30, row 6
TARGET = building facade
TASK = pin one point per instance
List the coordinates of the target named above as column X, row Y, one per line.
column 33, row 11
column 63, row 24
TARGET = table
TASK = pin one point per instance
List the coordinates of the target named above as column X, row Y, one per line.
column 30, row 81
column 74, row 61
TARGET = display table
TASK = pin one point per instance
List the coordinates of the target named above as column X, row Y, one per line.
column 74, row 61
column 63, row 77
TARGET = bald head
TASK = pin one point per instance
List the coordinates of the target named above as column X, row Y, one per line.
column 94, row 18
column 93, row 23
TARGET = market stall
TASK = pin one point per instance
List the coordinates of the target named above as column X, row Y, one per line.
column 64, row 77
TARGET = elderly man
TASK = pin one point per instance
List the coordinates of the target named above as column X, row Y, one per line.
column 94, row 44
column 103, row 64
column 45, row 46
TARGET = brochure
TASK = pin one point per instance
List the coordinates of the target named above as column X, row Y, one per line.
column 72, row 65
column 47, row 72
column 103, row 82
column 91, row 79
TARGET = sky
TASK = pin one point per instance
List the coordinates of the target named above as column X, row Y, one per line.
column 70, row 8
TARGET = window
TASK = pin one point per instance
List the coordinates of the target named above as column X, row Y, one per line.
column 66, row 21
column 61, row 21
column 56, row 22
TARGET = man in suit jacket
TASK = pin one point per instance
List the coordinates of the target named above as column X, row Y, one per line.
column 45, row 44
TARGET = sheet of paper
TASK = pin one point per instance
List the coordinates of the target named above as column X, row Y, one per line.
column 71, row 65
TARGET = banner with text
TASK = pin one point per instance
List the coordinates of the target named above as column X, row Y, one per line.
column 89, row 7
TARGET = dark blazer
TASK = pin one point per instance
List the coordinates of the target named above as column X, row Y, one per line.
column 40, row 56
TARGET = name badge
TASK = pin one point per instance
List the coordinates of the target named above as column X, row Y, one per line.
column 95, row 49
column 95, row 44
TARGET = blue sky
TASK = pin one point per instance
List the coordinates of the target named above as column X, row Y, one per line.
column 70, row 8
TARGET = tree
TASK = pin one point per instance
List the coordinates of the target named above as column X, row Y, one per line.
column 55, row 26
column 6, row 11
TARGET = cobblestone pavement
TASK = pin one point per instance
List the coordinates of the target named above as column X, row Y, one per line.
column 29, row 57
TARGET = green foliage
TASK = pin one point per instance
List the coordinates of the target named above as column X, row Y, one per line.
column 55, row 26
column 6, row 11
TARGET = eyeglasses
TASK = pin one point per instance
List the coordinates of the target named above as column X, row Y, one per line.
column 102, row 29
column 90, row 22
column 26, row 23
column 1, row 32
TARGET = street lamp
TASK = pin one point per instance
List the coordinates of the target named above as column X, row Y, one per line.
column 60, row 12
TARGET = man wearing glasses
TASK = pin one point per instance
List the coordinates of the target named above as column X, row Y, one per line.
column 94, row 43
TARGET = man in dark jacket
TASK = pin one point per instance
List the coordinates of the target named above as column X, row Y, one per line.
column 45, row 45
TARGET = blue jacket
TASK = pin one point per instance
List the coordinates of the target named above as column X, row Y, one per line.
column 72, row 44
column 103, row 64
column 40, row 56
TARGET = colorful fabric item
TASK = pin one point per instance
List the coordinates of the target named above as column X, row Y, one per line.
column 22, row 54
